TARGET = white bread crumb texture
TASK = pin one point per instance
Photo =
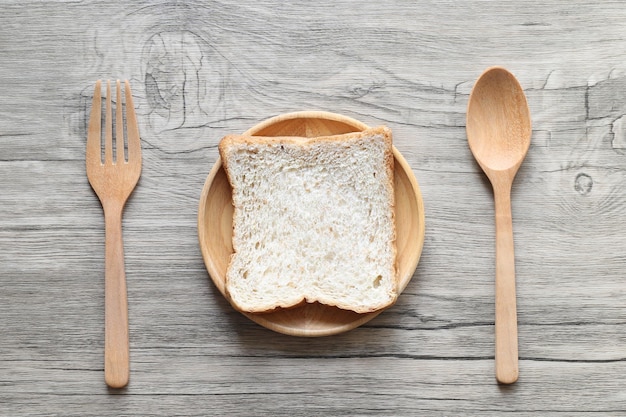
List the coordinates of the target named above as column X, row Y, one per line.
column 313, row 222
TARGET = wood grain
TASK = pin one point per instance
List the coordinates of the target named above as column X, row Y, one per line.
column 200, row 70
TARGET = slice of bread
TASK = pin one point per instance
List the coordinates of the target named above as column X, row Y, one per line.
column 313, row 221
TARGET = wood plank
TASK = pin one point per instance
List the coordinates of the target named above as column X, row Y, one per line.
column 202, row 70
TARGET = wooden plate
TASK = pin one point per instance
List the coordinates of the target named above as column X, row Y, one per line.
column 216, row 213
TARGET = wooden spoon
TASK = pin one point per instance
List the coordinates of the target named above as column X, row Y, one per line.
column 498, row 132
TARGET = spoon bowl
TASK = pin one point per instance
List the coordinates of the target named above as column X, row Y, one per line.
column 498, row 122
column 498, row 133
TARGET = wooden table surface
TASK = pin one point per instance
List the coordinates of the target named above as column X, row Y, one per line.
column 200, row 70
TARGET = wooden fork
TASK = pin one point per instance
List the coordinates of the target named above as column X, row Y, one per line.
column 113, row 178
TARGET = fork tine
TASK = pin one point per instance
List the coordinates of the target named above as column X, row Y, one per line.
column 132, row 130
column 108, row 129
column 94, row 131
column 119, row 126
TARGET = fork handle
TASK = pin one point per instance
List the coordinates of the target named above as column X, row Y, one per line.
column 116, row 344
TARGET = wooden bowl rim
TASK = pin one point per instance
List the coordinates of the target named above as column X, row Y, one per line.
column 261, row 318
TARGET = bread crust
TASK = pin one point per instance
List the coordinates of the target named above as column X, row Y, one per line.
column 231, row 141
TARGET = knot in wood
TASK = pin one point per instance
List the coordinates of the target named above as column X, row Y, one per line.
column 583, row 183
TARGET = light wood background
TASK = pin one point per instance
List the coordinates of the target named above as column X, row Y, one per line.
column 202, row 69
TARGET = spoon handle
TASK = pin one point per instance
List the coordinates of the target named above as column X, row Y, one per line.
column 116, row 343
column 506, row 311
